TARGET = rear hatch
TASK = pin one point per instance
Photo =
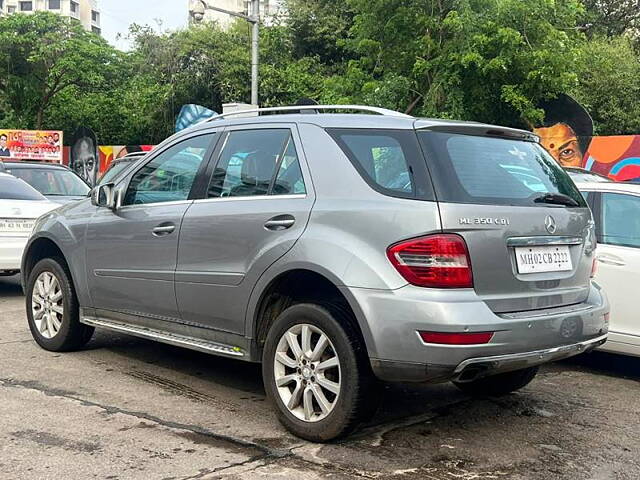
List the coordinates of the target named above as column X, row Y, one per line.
column 528, row 230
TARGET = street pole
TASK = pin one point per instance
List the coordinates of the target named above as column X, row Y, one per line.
column 254, row 19
column 255, row 59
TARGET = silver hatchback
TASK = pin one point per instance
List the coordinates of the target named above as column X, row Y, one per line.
column 338, row 249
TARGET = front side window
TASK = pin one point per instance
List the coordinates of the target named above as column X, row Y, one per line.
column 257, row 162
column 170, row 175
column 620, row 220
column 494, row 171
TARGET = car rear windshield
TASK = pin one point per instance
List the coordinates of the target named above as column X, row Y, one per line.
column 12, row 188
column 495, row 171
column 390, row 161
column 52, row 181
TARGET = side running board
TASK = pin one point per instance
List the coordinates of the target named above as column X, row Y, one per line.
column 166, row 337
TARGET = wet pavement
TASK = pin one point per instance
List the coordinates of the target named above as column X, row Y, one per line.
column 126, row 408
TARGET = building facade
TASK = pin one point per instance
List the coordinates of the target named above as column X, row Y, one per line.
column 200, row 11
column 85, row 11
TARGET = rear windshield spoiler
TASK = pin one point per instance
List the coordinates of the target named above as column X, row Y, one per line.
column 479, row 130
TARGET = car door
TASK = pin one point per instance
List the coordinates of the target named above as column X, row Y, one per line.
column 253, row 210
column 132, row 250
column 618, row 217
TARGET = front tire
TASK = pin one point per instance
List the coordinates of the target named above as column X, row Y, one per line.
column 52, row 308
column 498, row 385
column 316, row 372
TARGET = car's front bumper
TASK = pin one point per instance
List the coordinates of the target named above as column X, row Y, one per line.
column 11, row 248
column 391, row 319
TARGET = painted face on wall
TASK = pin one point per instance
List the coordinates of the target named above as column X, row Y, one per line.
column 562, row 143
column 84, row 160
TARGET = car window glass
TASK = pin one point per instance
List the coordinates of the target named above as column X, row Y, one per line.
column 12, row 188
column 493, row 170
column 381, row 158
column 170, row 175
column 52, row 181
column 248, row 163
column 620, row 219
column 289, row 179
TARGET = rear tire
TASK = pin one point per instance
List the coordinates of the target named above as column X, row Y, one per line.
column 52, row 308
column 501, row 384
column 315, row 401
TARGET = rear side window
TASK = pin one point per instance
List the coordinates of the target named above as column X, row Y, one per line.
column 390, row 161
column 256, row 163
column 620, row 220
column 493, row 171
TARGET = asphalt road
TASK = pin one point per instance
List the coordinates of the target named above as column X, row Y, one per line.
column 126, row 408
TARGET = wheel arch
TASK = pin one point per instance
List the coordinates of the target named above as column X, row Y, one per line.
column 298, row 284
column 39, row 248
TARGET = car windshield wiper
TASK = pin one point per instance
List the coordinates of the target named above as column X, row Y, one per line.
column 557, row 199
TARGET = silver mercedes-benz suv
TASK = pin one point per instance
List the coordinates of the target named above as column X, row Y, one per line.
column 338, row 249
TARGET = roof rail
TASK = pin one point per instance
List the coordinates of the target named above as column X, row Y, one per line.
column 296, row 108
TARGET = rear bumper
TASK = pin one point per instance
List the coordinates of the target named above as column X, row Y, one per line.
column 11, row 249
column 390, row 321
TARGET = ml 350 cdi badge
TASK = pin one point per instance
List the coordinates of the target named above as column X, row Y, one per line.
column 338, row 249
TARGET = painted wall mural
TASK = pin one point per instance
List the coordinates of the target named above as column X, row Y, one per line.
column 106, row 154
column 567, row 134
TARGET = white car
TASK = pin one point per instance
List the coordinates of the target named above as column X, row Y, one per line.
column 616, row 211
column 20, row 206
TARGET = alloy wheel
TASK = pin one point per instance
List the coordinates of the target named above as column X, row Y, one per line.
column 307, row 372
column 47, row 305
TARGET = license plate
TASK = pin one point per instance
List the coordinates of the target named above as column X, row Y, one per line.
column 543, row 259
column 15, row 225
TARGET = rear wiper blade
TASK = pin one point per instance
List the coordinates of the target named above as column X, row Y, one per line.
column 556, row 199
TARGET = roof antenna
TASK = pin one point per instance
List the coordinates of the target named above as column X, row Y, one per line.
column 307, row 101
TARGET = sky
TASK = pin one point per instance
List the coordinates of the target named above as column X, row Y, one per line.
column 117, row 15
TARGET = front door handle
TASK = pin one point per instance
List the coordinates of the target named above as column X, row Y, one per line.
column 611, row 260
column 164, row 229
column 281, row 222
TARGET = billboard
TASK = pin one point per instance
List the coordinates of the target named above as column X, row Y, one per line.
column 40, row 145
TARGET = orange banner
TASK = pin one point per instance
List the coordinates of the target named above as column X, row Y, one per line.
column 39, row 145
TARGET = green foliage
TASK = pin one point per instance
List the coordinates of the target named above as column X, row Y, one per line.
column 491, row 61
column 44, row 54
column 609, row 85
column 613, row 17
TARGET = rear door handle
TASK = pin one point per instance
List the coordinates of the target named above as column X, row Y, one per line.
column 611, row 260
column 164, row 229
column 281, row 222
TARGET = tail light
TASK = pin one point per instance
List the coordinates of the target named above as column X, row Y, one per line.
column 444, row 338
column 594, row 266
column 437, row 261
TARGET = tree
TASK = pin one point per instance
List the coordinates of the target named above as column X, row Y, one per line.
column 44, row 54
column 468, row 59
column 613, row 17
column 608, row 74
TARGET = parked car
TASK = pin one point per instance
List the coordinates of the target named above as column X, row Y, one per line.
column 119, row 165
column 295, row 241
column 56, row 182
column 578, row 174
column 20, row 205
column 616, row 209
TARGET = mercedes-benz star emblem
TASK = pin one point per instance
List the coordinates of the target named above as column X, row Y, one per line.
column 550, row 224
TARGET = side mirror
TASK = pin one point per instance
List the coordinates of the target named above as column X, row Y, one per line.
column 104, row 196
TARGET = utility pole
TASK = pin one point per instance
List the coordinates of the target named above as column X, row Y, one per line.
column 254, row 19
column 255, row 55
